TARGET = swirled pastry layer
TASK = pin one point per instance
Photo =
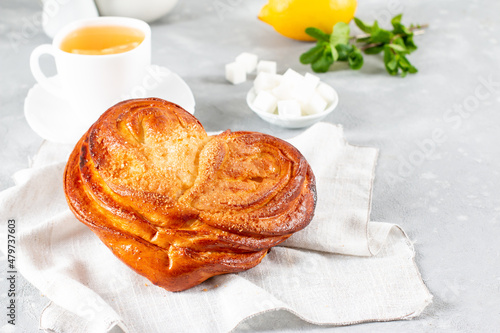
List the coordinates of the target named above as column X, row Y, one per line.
column 179, row 206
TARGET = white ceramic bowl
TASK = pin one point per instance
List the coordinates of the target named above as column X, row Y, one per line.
column 146, row 10
column 292, row 122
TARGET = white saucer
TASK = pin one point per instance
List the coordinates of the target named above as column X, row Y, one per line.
column 48, row 115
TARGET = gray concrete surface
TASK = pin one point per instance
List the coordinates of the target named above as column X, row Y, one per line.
column 438, row 133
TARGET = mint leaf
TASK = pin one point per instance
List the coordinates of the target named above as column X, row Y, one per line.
column 406, row 65
column 380, row 35
column 399, row 28
column 399, row 41
column 335, row 54
column 318, row 34
column 374, row 49
column 390, row 61
column 393, row 64
column 344, row 50
column 403, row 63
column 362, row 25
column 398, row 48
column 409, row 43
column 396, row 20
column 313, row 54
column 323, row 63
column 363, row 39
column 340, row 34
column 355, row 59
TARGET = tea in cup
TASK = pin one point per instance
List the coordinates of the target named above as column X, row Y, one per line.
column 97, row 61
column 102, row 40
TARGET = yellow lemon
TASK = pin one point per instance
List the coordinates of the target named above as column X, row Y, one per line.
column 291, row 17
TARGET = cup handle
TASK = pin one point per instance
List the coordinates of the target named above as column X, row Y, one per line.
column 37, row 72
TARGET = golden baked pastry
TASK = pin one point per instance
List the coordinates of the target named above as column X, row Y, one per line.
column 179, row 206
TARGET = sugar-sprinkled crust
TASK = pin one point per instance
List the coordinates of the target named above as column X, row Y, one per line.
column 179, row 206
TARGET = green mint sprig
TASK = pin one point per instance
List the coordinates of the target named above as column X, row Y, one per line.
column 396, row 44
column 332, row 48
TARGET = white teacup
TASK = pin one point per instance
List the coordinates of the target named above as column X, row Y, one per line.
column 93, row 83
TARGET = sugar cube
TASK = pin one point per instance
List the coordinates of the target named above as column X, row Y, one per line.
column 265, row 66
column 289, row 108
column 248, row 60
column 316, row 104
column 312, row 80
column 266, row 81
column 292, row 76
column 304, row 89
column 284, row 90
column 326, row 92
column 265, row 102
column 289, row 86
column 236, row 73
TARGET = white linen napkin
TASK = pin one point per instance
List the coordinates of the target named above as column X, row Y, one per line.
column 342, row 269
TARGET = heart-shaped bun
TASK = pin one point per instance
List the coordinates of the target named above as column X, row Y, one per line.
column 179, row 206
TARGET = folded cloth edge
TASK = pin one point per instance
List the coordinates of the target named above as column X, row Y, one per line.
column 50, row 306
column 409, row 316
